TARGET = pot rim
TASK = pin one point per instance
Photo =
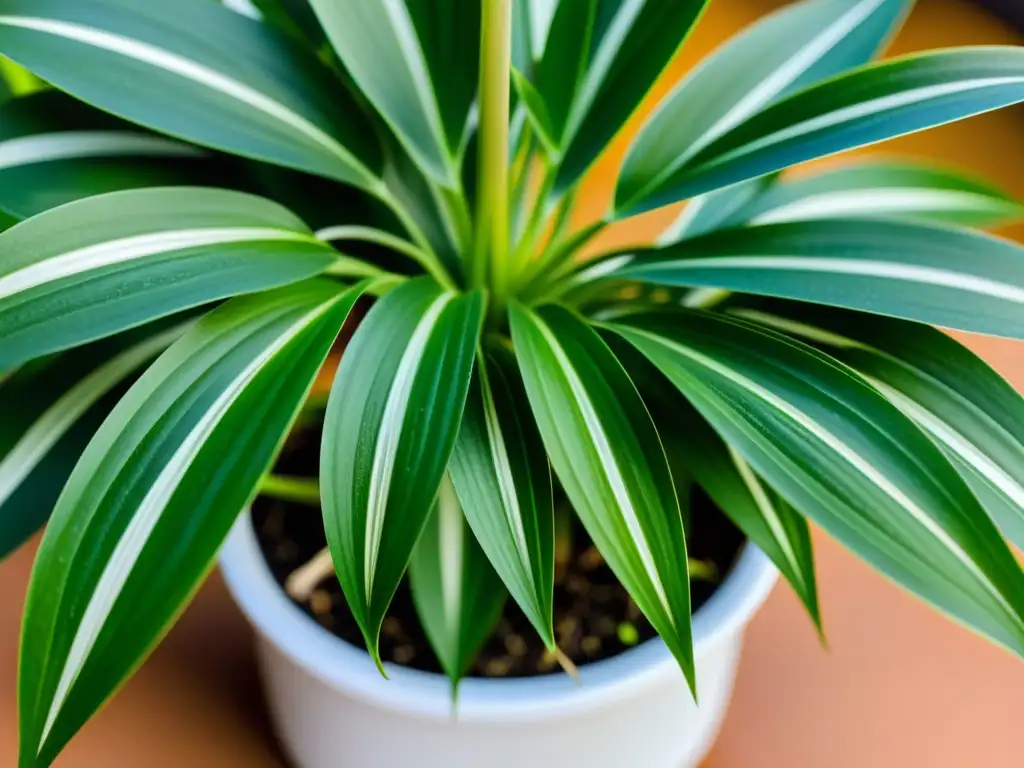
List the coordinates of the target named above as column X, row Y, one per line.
column 350, row 670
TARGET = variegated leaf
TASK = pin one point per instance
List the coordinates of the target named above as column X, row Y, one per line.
column 699, row 454
column 784, row 52
column 938, row 275
column 607, row 454
column 50, row 409
column 845, row 457
column 55, row 150
column 501, row 472
column 859, row 108
column 156, row 491
column 458, row 596
column 196, row 70
column 967, row 408
column 101, row 265
column 391, row 423
column 418, row 63
column 883, row 189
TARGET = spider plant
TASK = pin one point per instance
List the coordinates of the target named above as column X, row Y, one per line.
column 203, row 199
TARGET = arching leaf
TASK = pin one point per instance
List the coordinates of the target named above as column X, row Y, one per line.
column 391, row 423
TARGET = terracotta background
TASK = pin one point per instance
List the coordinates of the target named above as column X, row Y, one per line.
column 898, row 686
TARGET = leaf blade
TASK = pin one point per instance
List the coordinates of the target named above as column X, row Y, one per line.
column 61, row 402
column 501, row 474
column 146, row 63
column 607, row 453
column 756, row 509
column 968, row 409
column 961, row 279
column 847, row 458
column 147, row 507
column 54, row 150
column 889, row 190
column 751, row 71
column 105, row 264
column 913, row 93
column 633, row 44
column 457, row 595
column 392, row 49
column 384, row 455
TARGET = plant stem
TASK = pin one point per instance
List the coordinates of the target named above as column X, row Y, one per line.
column 377, row 236
column 432, row 263
column 298, row 490
column 492, row 234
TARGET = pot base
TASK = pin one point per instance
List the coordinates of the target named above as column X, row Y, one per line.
column 659, row 727
column 331, row 706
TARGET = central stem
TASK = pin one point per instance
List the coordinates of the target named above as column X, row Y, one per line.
column 492, row 232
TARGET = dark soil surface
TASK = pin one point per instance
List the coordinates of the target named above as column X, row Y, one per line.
column 594, row 616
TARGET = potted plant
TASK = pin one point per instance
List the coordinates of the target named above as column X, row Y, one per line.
column 518, row 418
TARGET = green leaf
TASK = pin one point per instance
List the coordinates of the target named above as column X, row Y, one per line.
column 419, row 197
column 537, row 112
column 784, row 52
column 884, row 189
column 937, row 275
column 198, row 71
column 561, row 71
column 721, row 209
column 98, row 266
column 458, row 596
column 968, row 409
column 418, row 63
column 531, row 23
column 155, row 493
column 631, row 45
column 5, row 87
column 16, row 81
column 861, row 107
column 449, row 34
column 61, row 401
column 845, row 457
column 501, row 473
column 391, row 423
column 607, row 453
column 55, row 150
column 756, row 509
column 295, row 17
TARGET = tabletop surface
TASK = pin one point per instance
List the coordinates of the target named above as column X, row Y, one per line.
column 897, row 686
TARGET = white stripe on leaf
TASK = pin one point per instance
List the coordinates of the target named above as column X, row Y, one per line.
column 186, row 68
column 881, row 105
column 503, row 470
column 926, row 418
column 768, row 512
column 956, row 442
column 911, row 273
column 54, row 423
column 128, row 249
column 408, row 39
column 845, row 452
column 135, row 536
column 389, row 435
column 71, row 145
column 675, row 231
column 612, row 471
column 602, row 60
column 876, row 202
column 776, row 82
column 451, row 532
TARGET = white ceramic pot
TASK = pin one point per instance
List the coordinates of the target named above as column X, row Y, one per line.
column 333, row 709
